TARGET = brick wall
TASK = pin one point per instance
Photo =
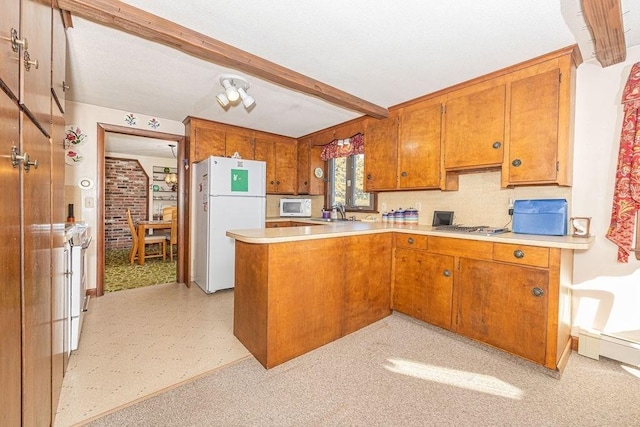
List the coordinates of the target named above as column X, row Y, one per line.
column 126, row 186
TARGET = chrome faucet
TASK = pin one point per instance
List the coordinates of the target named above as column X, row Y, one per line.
column 341, row 210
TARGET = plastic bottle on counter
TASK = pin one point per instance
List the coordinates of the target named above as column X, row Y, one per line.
column 385, row 217
column 334, row 213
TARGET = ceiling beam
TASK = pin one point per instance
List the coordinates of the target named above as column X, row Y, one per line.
column 604, row 19
column 151, row 27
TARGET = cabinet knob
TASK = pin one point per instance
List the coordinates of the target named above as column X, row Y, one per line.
column 403, row 173
column 305, row 183
column 518, row 254
column 16, row 42
column 446, row 273
column 537, row 292
column 516, row 163
column 275, row 226
column 28, row 62
column 272, row 182
column 368, row 176
column 496, row 145
column 410, row 240
column 278, row 182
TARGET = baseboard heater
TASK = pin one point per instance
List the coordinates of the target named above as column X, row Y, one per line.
column 593, row 344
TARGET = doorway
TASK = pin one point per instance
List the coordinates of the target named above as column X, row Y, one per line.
column 178, row 140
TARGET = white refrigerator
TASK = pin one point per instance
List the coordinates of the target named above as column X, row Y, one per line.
column 229, row 195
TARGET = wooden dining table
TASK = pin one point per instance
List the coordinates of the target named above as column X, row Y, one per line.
column 143, row 226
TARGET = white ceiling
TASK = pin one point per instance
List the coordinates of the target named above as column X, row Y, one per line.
column 383, row 51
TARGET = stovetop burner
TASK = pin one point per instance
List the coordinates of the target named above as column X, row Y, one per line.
column 473, row 229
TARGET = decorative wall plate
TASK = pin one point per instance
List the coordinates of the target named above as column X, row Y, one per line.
column 72, row 157
column 318, row 172
column 74, row 136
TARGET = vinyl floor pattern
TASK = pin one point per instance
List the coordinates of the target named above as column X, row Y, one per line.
column 137, row 342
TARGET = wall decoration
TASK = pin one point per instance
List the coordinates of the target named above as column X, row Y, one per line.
column 74, row 137
column 130, row 119
column 154, row 123
column 72, row 157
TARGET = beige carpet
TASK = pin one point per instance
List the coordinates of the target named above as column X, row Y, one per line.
column 139, row 341
column 398, row 372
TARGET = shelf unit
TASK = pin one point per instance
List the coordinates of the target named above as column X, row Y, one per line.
column 161, row 190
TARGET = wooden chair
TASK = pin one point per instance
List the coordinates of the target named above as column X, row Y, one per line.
column 172, row 238
column 167, row 212
column 148, row 240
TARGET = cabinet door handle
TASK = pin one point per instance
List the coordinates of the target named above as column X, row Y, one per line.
column 537, row 292
column 496, row 145
column 446, row 273
column 278, row 182
column 368, row 176
column 403, row 173
column 272, row 182
column 410, row 240
column 516, row 163
column 518, row 254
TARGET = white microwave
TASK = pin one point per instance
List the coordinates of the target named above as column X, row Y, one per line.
column 295, row 207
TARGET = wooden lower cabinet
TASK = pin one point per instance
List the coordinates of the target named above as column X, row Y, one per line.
column 514, row 297
column 505, row 306
column 289, row 299
column 293, row 297
column 423, row 286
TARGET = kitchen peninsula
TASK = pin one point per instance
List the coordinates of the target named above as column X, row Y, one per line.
column 298, row 288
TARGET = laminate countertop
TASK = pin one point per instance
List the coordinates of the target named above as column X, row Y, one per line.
column 322, row 230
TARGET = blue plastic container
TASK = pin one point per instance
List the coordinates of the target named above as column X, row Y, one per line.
column 545, row 216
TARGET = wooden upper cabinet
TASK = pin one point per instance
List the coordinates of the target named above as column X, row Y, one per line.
column 9, row 63
column 474, row 126
column 208, row 142
column 286, row 166
column 308, row 161
column 380, row 153
column 419, row 146
column 35, row 91
column 539, row 148
column 303, row 166
column 280, row 154
column 239, row 142
column 58, row 58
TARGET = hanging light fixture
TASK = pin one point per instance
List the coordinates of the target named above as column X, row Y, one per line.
column 235, row 88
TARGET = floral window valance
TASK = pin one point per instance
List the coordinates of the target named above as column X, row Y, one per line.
column 343, row 147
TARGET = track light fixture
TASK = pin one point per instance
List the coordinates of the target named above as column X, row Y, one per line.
column 235, row 88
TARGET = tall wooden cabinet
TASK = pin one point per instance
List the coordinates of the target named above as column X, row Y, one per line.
column 32, row 322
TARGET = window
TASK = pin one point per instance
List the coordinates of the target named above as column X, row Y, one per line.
column 347, row 184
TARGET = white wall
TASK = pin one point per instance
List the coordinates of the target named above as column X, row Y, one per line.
column 606, row 293
column 87, row 117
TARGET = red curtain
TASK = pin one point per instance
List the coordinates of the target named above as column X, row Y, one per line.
column 343, row 147
column 626, row 196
